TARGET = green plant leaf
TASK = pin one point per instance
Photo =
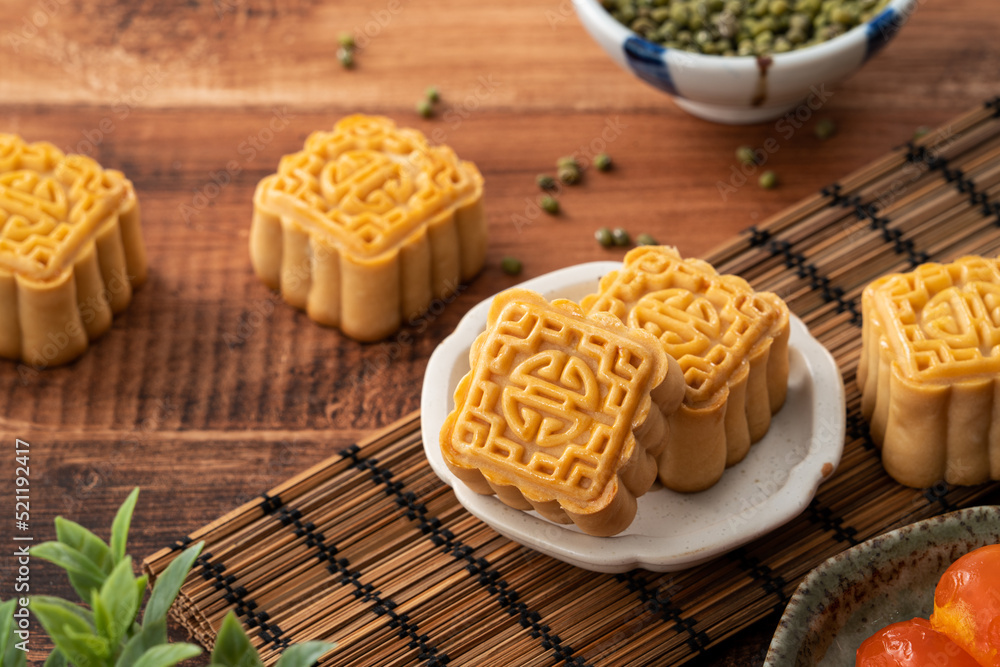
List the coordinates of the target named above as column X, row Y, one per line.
column 166, row 655
column 94, row 645
column 304, row 655
column 85, row 614
column 77, row 537
column 117, row 604
column 74, row 535
column 120, row 526
column 233, row 647
column 140, row 593
column 10, row 655
column 72, row 634
column 85, row 576
column 169, row 584
column 102, row 617
column 6, row 625
column 13, row 656
column 150, row 635
column 56, row 659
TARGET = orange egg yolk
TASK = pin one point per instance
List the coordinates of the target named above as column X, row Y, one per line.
column 967, row 604
column 912, row 643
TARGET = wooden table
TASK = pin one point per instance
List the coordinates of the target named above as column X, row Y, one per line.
column 209, row 390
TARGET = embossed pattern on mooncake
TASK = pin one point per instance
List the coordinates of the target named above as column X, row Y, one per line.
column 732, row 346
column 368, row 224
column 71, row 251
column 930, row 371
column 556, row 413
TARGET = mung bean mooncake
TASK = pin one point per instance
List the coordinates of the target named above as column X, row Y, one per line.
column 929, row 371
column 71, row 251
column 731, row 343
column 561, row 413
column 367, row 225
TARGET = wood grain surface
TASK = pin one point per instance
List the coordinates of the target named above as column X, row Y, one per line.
column 209, row 389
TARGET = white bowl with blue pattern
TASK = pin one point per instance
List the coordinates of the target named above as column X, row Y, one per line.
column 745, row 89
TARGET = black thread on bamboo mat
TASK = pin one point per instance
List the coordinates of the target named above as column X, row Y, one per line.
column 270, row 504
column 993, row 104
column 804, row 269
column 486, row 576
column 877, row 223
column 771, row 583
column 384, row 606
column 857, row 428
column 891, row 235
column 919, row 154
column 825, row 517
column 237, row 596
column 837, row 199
column 244, row 605
column 966, row 186
column 659, row 603
column 181, row 544
column 758, row 237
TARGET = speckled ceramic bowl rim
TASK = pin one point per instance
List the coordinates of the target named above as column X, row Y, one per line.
column 814, row 594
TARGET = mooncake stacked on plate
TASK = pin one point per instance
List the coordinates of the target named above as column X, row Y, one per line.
column 562, row 413
column 732, row 346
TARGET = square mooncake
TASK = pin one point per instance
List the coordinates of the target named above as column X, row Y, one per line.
column 71, row 251
column 561, row 413
column 731, row 343
column 929, row 371
column 368, row 224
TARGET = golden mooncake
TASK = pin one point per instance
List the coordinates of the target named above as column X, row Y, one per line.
column 71, row 251
column 561, row 413
column 367, row 225
column 929, row 371
column 732, row 346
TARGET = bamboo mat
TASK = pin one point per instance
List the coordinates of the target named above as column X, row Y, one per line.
column 369, row 549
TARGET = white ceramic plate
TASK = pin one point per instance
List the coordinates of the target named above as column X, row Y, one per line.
column 671, row 531
column 861, row 590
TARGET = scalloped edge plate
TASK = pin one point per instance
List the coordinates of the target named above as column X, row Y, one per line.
column 671, row 531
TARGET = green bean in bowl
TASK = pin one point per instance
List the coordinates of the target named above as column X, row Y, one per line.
column 743, row 61
column 741, row 28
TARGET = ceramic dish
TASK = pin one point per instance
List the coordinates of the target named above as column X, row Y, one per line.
column 886, row 579
column 671, row 531
column 745, row 89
